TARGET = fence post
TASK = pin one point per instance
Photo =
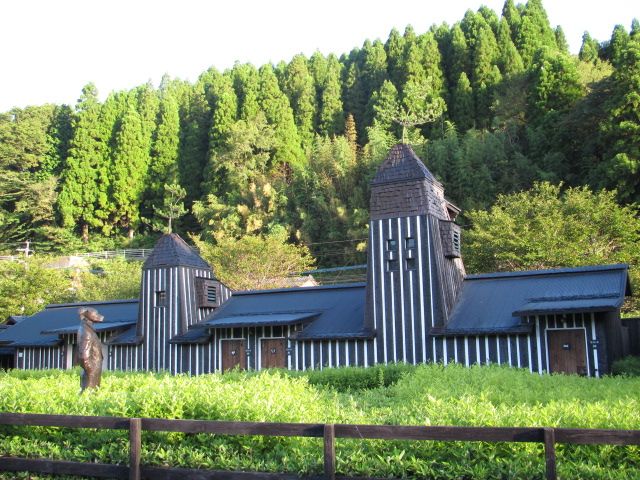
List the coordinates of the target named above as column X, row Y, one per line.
column 329, row 452
column 135, row 445
column 550, row 453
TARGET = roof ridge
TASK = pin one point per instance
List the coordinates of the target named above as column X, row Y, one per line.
column 300, row 289
column 550, row 271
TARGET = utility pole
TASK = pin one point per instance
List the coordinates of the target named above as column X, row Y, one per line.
column 26, row 249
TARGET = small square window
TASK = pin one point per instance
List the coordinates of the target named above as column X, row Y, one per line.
column 392, row 244
column 161, row 299
column 410, row 243
column 392, row 266
column 411, row 263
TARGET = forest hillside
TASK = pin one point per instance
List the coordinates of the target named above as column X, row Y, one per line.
column 492, row 104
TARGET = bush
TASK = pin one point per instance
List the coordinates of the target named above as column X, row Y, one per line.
column 422, row 395
column 629, row 366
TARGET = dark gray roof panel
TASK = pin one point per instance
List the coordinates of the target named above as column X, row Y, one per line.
column 98, row 327
column 490, row 302
column 196, row 334
column 339, row 309
column 605, row 303
column 172, row 251
column 128, row 337
column 65, row 317
column 401, row 165
column 256, row 320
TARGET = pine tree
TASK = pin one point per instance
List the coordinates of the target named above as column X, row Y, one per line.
column 331, row 111
column 510, row 61
column 279, row 115
column 246, row 84
column 462, row 105
column 298, row 85
column 194, row 143
column 458, row 61
column 561, row 40
column 78, row 193
column 129, row 171
column 589, row 49
column 394, row 47
column 512, row 15
column 163, row 168
column 617, row 45
column 485, row 73
column 384, row 105
column 534, row 31
column 351, row 133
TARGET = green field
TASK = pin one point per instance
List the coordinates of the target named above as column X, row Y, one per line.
column 402, row 395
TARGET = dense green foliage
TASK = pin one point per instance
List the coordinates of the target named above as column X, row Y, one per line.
column 549, row 228
column 425, row 395
column 492, row 103
column 629, row 366
column 26, row 287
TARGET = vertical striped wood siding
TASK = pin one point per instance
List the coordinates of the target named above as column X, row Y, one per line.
column 523, row 350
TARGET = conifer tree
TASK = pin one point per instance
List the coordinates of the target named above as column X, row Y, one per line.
column 331, row 111
column 246, row 84
column 458, row 61
column 617, row 45
column 163, row 168
column 298, row 85
column 385, row 106
column 394, row 47
column 510, row 61
column 534, row 31
column 561, row 40
column 224, row 109
column 129, row 171
column 279, row 115
column 485, row 73
column 589, row 49
column 462, row 105
column 194, row 143
column 79, row 190
column 512, row 15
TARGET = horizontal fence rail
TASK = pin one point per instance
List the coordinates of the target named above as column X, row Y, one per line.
column 549, row 437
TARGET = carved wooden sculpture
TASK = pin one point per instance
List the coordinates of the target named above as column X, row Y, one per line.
column 89, row 348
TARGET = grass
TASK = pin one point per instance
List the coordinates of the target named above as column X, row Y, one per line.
column 397, row 395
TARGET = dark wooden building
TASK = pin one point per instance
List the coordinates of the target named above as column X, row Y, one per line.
column 417, row 306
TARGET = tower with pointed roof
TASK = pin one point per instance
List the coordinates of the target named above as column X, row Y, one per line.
column 178, row 290
column 414, row 267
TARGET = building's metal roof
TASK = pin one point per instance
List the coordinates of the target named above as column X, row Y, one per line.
column 172, row 251
column 260, row 319
column 7, row 351
column 196, row 334
column 335, row 311
column 401, row 165
column 495, row 302
column 29, row 332
column 128, row 337
column 98, row 327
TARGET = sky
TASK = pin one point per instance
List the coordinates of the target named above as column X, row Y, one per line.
column 51, row 49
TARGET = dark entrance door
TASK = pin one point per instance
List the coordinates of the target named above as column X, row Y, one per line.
column 567, row 351
column 273, row 353
column 233, row 354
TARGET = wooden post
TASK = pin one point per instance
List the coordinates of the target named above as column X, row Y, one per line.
column 550, row 453
column 329, row 452
column 135, row 445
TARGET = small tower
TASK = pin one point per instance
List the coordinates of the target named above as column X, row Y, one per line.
column 178, row 290
column 414, row 267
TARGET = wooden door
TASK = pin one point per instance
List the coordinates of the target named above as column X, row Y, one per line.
column 567, row 351
column 233, row 354
column 273, row 353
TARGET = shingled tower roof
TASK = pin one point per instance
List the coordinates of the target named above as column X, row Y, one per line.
column 173, row 251
column 401, row 165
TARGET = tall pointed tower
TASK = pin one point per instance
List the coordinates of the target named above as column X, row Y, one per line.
column 178, row 290
column 414, row 267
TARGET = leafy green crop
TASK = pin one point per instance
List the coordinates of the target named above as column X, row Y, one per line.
column 423, row 395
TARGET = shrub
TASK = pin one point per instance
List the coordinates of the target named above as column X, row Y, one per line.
column 629, row 366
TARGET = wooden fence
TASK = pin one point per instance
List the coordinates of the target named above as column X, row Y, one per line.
column 329, row 432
